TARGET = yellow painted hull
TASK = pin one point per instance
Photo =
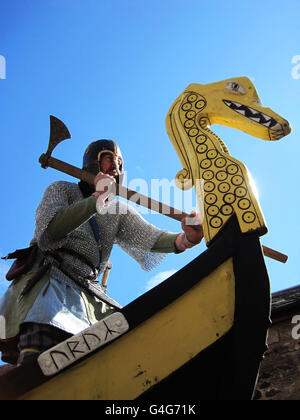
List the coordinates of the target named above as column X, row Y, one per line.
column 158, row 346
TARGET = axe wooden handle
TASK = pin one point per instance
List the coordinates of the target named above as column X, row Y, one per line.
column 121, row 191
column 136, row 197
column 68, row 169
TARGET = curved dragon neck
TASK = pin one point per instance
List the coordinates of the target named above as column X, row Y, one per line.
column 206, row 147
column 214, row 140
column 222, row 183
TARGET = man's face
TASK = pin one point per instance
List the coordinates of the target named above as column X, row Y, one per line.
column 108, row 165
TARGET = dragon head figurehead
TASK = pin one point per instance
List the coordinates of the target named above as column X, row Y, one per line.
column 225, row 186
column 235, row 103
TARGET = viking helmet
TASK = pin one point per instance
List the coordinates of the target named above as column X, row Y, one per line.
column 92, row 156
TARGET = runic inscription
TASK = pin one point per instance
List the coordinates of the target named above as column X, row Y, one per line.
column 80, row 345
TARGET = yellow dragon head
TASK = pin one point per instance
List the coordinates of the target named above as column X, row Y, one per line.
column 235, row 103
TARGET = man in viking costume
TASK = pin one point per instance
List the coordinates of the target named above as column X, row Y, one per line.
column 76, row 228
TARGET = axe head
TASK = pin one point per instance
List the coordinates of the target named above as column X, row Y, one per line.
column 58, row 133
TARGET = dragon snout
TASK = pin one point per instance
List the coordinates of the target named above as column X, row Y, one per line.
column 281, row 129
column 286, row 127
column 277, row 126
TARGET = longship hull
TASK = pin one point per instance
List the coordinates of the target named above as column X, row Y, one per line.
column 200, row 335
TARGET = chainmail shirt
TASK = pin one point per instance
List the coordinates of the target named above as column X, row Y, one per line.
column 118, row 223
column 57, row 299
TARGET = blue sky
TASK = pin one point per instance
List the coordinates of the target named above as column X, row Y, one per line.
column 112, row 69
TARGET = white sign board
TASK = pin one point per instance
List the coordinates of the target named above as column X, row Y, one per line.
column 69, row 351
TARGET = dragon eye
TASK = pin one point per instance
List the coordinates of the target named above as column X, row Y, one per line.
column 236, row 88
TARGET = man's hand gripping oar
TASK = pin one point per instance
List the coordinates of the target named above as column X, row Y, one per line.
column 59, row 132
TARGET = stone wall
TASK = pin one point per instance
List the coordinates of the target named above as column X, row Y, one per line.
column 279, row 377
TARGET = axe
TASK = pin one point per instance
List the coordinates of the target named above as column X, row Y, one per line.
column 59, row 132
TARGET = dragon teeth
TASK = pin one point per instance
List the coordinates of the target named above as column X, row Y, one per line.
column 268, row 123
column 238, row 104
column 254, row 115
column 254, row 112
column 277, row 127
column 256, row 119
column 266, row 117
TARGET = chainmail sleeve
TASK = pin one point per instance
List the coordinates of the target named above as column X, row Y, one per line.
column 136, row 236
column 78, row 249
column 57, row 196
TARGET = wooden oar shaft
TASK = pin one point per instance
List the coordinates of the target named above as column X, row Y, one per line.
column 136, row 197
column 275, row 255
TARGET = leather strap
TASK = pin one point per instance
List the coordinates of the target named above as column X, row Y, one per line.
column 87, row 190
